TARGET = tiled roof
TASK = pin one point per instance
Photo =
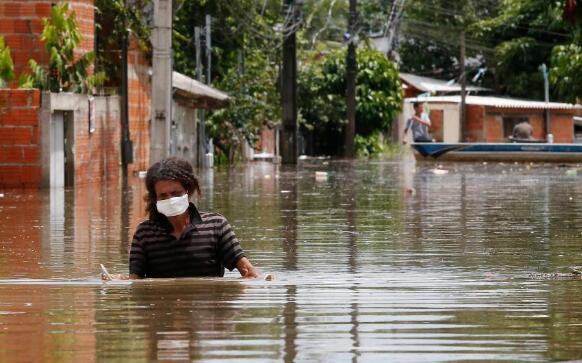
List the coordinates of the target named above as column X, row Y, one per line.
column 196, row 89
column 433, row 85
column 500, row 102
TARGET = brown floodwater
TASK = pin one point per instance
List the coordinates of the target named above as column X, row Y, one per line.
column 375, row 261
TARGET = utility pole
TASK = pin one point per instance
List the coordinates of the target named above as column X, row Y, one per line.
column 289, row 87
column 351, row 71
column 126, row 146
column 463, row 81
column 544, row 70
column 161, row 81
column 201, row 113
column 208, row 49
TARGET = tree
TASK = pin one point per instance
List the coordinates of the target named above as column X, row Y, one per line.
column 566, row 60
column 6, row 64
column 322, row 87
column 67, row 71
column 115, row 21
column 523, row 35
column 430, row 35
column 255, row 103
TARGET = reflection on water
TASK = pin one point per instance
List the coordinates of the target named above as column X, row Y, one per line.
column 382, row 261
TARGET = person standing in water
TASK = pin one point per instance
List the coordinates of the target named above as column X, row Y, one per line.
column 177, row 240
column 418, row 125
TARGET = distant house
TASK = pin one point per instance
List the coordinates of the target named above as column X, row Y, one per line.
column 190, row 95
column 491, row 119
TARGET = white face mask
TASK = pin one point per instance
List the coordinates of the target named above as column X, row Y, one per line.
column 173, row 206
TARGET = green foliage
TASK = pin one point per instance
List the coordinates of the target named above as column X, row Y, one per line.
column 116, row 23
column 566, row 72
column 238, row 28
column 6, row 64
column 523, row 35
column 66, row 71
column 431, row 31
column 38, row 79
column 255, row 102
column 368, row 146
column 322, row 88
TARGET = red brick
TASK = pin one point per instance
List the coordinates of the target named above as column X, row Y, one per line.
column 12, row 9
column 31, row 174
column 11, row 154
column 18, row 41
column 30, row 155
column 14, row 98
column 20, row 117
column 36, row 26
column 21, row 57
column 43, row 10
column 15, row 136
column 22, row 26
column 9, row 173
column 35, row 135
column 6, row 26
column 28, row 10
column 35, row 98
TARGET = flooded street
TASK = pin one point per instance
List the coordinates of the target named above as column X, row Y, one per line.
column 375, row 261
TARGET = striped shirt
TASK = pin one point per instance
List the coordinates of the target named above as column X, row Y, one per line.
column 205, row 248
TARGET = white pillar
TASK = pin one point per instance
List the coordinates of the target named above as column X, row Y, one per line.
column 161, row 81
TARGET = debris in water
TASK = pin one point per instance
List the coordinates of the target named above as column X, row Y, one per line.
column 439, row 171
column 320, row 176
column 572, row 172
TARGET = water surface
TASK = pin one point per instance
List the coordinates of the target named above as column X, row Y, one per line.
column 381, row 261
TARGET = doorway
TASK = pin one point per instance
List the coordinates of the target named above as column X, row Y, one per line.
column 62, row 168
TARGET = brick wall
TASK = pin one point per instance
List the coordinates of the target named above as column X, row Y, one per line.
column 139, row 85
column 562, row 126
column 493, row 128
column 97, row 154
column 266, row 143
column 436, row 124
column 21, row 26
column 19, row 139
column 474, row 124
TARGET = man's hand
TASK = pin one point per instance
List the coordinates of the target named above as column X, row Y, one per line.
column 246, row 269
column 120, row 277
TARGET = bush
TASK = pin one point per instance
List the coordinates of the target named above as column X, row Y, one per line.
column 322, row 87
column 6, row 64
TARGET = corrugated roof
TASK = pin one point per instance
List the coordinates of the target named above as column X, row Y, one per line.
column 433, row 85
column 500, row 102
column 197, row 89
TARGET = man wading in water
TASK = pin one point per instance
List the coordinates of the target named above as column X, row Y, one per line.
column 418, row 125
column 177, row 240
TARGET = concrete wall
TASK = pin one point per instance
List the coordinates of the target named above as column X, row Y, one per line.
column 96, row 155
column 184, row 135
column 19, row 139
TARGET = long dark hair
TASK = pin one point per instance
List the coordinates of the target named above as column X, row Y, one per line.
column 171, row 168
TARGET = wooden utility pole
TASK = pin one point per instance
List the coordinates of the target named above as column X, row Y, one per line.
column 161, row 81
column 463, row 81
column 351, row 71
column 289, row 88
column 126, row 146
